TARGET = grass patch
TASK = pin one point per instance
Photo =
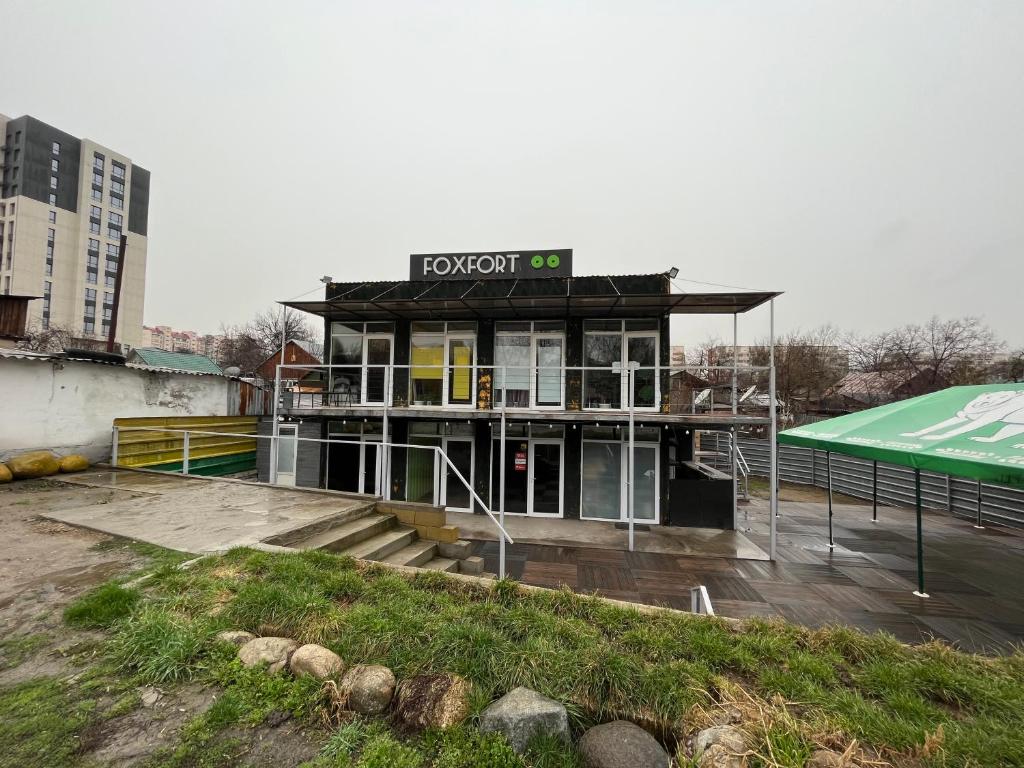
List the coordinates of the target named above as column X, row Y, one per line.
column 101, row 607
column 14, row 650
column 672, row 673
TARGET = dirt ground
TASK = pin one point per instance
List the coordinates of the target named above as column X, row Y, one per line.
column 43, row 567
column 797, row 492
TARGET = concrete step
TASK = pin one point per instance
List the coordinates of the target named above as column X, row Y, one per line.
column 444, row 564
column 417, row 553
column 383, row 544
column 349, row 534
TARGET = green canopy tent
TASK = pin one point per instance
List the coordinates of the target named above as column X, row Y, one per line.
column 961, row 431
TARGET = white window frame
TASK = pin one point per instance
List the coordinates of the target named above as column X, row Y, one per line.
column 447, row 336
column 364, row 336
column 535, row 336
column 621, row 367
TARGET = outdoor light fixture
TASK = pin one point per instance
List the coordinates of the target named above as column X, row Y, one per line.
column 673, row 273
column 326, row 279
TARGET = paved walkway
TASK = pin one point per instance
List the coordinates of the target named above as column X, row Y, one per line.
column 196, row 514
column 973, row 576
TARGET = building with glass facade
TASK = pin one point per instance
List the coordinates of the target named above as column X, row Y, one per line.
column 563, row 364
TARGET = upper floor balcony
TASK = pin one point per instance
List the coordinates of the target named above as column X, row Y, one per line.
column 553, row 391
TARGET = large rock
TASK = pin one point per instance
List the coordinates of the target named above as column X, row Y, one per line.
column 5, row 474
column 235, row 636
column 272, row 651
column 522, row 714
column 316, row 661
column 722, row 746
column 433, row 701
column 33, row 464
column 74, row 462
column 367, row 688
column 621, row 745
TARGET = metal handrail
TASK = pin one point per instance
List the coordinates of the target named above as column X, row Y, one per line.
column 188, row 432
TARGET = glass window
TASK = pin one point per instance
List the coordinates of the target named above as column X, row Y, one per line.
column 53, row 182
column 117, row 169
column 55, row 165
column 422, row 326
column 55, row 148
column 51, row 233
column 97, row 161
column 90, row 294
column 53, row 217
column 601, row 480
column 97, row 194
column 94, row 227
column 116, row 218
column 89, row 327
column 427, row 373
column 512, row 327
column 94, row 245
column 112, row 250
column 116, row 202
column 602, row 388
column 117, row 186
column 97, row 179
column 461, row 376
column 95, row 211
column 512, row 370
column 53, row 199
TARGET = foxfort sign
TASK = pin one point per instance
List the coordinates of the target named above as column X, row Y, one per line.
column 493, row 265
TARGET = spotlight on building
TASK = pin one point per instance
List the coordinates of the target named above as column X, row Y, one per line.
column 673, row 273
column 326, row 279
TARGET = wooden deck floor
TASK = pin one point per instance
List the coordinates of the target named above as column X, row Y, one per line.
column 975, row 578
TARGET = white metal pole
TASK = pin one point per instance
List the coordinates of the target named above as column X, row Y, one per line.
column 113, row 448
column 735, row 411
column 276, row 432
column 629, row 463
column 501, row 474
column 385, row 473
column 184, row 454
column 773, row 448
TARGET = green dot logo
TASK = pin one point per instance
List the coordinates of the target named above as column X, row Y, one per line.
column 537, row 261
column 553, row 261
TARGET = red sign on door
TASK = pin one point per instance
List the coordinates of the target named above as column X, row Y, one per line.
column 520, row 462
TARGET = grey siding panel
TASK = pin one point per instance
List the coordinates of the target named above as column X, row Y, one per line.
column 138, row 205
column 36, row 151
column 266, row 427
column 307, row 464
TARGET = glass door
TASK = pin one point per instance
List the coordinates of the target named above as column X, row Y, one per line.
column 517, row 482
column 370, row 466
column 545, row 473
column 287, row 450
column 376, row 359
column 456, row 495
column 642, row 348
column 645, row 478
column 602, row 480
column 461, row 370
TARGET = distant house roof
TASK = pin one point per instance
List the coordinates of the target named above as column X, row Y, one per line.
column 866, row 385
column 181, row 361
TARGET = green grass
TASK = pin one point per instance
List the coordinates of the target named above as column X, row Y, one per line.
column 799, row 688
column 14, row 650
column 103, row 606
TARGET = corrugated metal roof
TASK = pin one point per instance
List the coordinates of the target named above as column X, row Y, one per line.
column 43, row 357
column 180, row 361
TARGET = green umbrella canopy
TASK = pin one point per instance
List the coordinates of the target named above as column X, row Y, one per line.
column 975, row 432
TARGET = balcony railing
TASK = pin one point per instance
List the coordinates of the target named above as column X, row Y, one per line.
column 515, row 388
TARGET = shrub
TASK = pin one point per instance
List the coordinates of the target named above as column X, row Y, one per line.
column 160, row 646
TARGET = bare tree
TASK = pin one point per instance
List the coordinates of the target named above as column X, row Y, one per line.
column 265, row 327
column 807, row 363
column 944, row 352
column 239, row 348
column 52, row 338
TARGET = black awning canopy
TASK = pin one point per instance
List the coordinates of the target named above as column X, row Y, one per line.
column 552, row 298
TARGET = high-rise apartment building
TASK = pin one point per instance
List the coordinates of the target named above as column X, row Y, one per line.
column 64, row 204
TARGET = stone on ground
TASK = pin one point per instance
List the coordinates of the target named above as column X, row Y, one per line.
column 522, row 714
column 272, row 651
column 723, row 746
column 235, row 636
column 5, row 474
column 367, row 688
column 433, row 701
column 74, row 462
column 33, row 464
column 316, row 661
column 621, row 744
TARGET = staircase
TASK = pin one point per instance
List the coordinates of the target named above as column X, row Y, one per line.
column 380, row 535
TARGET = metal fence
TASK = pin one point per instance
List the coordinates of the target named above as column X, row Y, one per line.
column 853, row 477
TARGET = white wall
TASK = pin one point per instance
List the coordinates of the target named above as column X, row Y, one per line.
column 69, row 407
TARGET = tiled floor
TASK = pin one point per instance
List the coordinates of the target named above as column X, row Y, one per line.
column 975, row 578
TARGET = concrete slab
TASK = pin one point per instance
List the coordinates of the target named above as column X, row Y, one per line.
column 684, row 542
column 198, row 515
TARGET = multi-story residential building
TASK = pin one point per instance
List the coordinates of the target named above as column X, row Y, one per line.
column 65, row 203
column 173, row 340
column 573, row 372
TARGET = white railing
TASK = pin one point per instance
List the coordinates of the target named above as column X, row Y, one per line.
column 493, row 387
column 275, row 439
column 700, row 601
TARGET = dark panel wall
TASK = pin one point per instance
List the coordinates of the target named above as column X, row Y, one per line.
column 308, row 461
column 35, row 153
column 573, row 470
column 138, row 206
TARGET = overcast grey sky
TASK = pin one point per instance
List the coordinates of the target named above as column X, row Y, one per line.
column 865, row 157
